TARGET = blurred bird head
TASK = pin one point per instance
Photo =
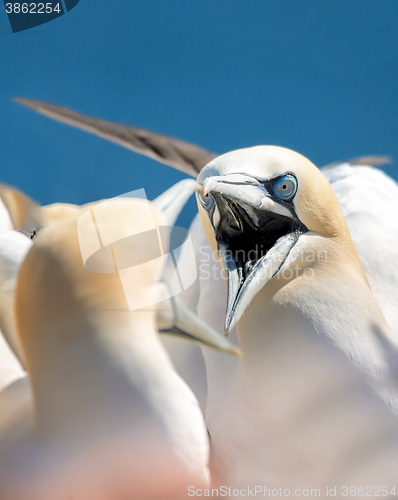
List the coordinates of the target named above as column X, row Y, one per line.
column 92, row 266
column 260, row 207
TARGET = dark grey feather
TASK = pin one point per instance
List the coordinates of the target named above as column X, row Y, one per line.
column 373, row 161
column 181, row 155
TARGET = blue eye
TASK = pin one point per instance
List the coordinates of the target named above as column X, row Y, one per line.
column 206, row 200
column 285, row 188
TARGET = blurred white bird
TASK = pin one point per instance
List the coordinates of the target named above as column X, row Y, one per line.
column 18, row 211
column 22, row 213
column 110, row 412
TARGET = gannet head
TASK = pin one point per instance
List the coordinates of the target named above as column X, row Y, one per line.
column 255, row 205
column 55, row 288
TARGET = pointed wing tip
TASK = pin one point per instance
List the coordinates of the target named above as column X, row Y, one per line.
column 29, row 103
column 370, row 160
column 22, row 100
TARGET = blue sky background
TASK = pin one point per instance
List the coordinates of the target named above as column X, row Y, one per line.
column 316, row 76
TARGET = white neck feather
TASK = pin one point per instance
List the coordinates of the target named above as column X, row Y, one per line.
column 299, row 389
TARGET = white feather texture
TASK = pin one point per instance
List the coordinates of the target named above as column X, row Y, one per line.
column 5, row 219
column 369, row 201
column 13, row 248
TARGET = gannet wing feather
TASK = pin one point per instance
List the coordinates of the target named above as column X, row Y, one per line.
column 173, row 199
column 371, row 160
column 181, row 155
column 369, row 202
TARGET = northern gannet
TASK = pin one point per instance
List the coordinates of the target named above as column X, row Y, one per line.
column 111, row 414
column 21, row 212
column 309, row 402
